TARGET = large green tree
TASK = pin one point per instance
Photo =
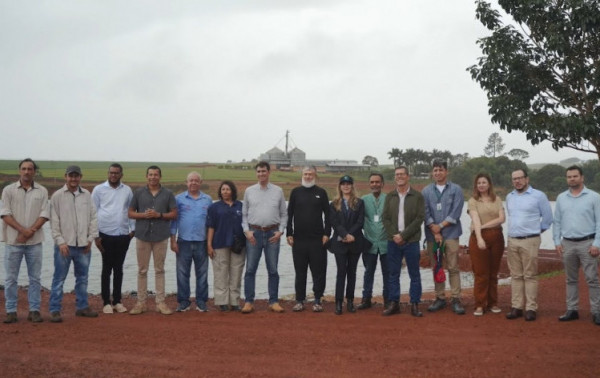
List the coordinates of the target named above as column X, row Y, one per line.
column 541, row 70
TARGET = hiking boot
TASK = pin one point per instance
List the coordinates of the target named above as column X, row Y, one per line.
column 276, row 307
column 437, row 305
column 163, row 308
column 11, row 317
column 414, row 310
column 86, row 313
column 364, row 304
column 298, row 307
column 393, row 308
column 248, row 308
column 55, row 317
column 457, row 307
column 139, row 308
column 35, row 317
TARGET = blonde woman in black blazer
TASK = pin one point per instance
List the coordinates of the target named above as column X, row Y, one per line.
column 347, row 214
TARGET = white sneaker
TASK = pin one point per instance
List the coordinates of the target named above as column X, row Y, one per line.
column 107, row 309
column 119, row 308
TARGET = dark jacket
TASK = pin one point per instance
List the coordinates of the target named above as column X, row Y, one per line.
column 344, row 223
column 414, row 215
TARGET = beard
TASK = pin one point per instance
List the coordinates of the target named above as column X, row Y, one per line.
column 308, row 184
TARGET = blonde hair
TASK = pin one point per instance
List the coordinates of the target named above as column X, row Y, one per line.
column 352, row 202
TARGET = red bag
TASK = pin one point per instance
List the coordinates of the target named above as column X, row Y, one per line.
column 439, row 276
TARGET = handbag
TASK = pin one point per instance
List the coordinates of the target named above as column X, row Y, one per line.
column 238, row 244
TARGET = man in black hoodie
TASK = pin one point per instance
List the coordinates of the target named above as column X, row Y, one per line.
column 308, row 230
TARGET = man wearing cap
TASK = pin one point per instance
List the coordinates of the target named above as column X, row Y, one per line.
column 403, row 215
column 308, row 229
column 24, row 211
column 529, row 214
column 112, row 199
column 576, row 232
column 74, row 228
column 375, row 233
column 264, row 218
column 443, row 207
column 188, row 241
column 153, row 208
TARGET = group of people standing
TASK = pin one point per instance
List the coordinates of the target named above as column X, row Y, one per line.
column 234, row 234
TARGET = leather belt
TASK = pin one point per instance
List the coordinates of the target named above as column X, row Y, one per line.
column 526, row 236
column 591, row 236
column 266, row 228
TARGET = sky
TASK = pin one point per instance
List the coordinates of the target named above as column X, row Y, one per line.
column 212, row 81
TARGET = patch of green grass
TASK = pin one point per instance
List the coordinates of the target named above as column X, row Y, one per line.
column 554, row 273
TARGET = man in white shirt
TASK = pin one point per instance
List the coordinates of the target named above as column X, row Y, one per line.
column 112, row 199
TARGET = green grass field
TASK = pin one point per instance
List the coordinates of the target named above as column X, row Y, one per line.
column 135, row 172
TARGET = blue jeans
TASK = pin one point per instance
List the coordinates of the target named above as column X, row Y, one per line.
column 12, row 263
column 370, row 262
column 81, row 265
column 253, row 254
column 412, row 254
column 192, row 251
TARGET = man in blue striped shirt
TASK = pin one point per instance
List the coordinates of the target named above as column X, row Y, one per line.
column 529, row 214
column 576, row 233
column 444, row 202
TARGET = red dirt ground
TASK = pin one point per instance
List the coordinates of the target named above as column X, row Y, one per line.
column 307, row 344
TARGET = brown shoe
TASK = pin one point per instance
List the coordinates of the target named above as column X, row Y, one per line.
column 35, row 317
column 163, row 308
column 248, row 308
column 139, row 308
column 276, row 307
column 11, row 317
column 86, row 313
column 55, row 317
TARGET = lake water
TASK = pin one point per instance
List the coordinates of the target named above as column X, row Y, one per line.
column 286, row 270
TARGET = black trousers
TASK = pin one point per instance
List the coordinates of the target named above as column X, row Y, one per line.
column 309, row 252
column 115, row 250
column 346, row 269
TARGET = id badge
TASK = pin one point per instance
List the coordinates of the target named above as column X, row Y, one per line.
column 439, row 206
column 376, row 218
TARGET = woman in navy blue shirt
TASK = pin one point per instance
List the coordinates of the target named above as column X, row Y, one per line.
column 224, row 222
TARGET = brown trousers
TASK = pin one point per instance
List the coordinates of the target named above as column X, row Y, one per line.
column 486, row 263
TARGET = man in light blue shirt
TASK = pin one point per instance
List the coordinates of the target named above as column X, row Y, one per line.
column 576, row 232
column 529, row 214
column 188, row 241
column 444, row 202
column 112, row 199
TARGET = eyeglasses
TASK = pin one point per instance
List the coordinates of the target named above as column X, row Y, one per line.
column 519, row 178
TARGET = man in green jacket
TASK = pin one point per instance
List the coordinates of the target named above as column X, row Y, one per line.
column 403, row 214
